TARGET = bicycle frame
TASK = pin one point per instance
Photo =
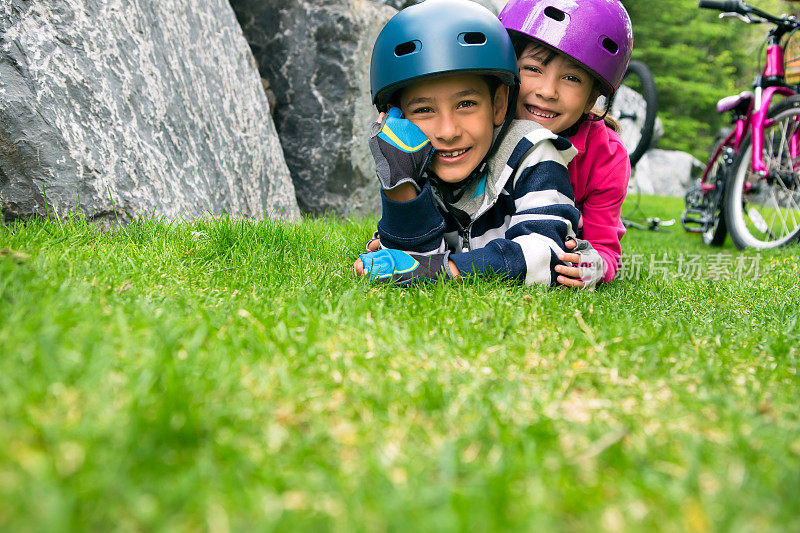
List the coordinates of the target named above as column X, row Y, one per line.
column 737, row 188
column 755, row 119
column 773, row 68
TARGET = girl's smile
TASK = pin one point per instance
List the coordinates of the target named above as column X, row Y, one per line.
column 541, row 113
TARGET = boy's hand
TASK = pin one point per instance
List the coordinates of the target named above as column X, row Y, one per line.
column 374, row 244
column 403, row 268
column 400, row 149
column 588, row 267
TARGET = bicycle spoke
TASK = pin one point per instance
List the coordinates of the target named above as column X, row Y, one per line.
column 789, row 192
column 786, row 139
column 792, row 206
column 784, row 125
column 770, row 226
column 778, row 212
column 764, row 212
column 777, row 158
column 792, row 211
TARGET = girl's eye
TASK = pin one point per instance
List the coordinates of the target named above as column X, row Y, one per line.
column 421, row 110
column 531, row 68
column 575, row 79
column 467, row 103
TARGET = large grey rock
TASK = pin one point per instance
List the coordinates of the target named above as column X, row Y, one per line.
column 495, row 6
column 666, row 172
column 315, row 55
column 134, row 106
column 397, row 4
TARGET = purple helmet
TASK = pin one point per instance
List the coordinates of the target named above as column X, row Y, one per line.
column 595, row 33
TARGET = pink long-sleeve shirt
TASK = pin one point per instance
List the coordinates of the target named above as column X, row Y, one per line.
column 599, row 176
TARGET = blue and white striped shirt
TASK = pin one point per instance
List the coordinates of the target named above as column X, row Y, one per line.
column 527, row 212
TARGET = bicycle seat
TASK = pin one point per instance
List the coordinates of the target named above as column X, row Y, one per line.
column 737, row 100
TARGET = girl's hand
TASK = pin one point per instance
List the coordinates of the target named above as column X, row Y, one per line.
column 570, row 275
column 584, row 269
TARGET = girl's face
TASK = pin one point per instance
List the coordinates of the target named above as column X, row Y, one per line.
column 554, row 91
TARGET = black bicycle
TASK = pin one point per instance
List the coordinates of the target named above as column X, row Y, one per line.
column 636, row 114
column 635, row 107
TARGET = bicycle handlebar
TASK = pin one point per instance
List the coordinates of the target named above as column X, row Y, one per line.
column 741, row 8
column 726, row 6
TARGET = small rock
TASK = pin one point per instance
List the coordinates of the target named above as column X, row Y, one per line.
column 666, row 172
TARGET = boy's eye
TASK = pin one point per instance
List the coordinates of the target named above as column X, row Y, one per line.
column 421, row 110
column 531, row 68
column 467, row 103
column 572, row 78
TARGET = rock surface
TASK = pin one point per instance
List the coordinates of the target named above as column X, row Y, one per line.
column 666, row 172
column 315, row 55
column 125, row 107
column 495, row 6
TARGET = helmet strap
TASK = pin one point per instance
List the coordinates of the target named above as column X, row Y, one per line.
column 511, row 113
column 609, row 101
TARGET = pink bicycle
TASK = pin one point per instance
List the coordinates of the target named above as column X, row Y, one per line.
column 750, row 187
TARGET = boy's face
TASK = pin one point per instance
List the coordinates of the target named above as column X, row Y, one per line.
column 555, row 92
column 458, row 114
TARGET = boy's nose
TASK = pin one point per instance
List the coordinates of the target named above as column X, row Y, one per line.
column 447, row 128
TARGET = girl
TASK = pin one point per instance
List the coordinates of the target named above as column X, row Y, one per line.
column 570, row 53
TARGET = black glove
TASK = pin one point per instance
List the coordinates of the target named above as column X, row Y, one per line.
column 400, row 149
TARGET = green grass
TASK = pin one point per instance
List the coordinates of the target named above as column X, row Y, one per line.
column 220, row 374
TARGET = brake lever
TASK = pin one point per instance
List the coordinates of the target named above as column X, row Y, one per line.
column 747, row 19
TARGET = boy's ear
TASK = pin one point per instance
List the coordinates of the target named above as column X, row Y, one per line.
column 500, row 104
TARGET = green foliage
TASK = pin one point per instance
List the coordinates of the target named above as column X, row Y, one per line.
column 696, row 59
column 234, row 375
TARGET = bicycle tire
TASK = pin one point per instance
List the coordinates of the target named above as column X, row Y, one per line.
column 751, row 201
column 714, row 234
column 646, row 124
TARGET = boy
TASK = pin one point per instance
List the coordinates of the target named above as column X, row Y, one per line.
column 466, row 190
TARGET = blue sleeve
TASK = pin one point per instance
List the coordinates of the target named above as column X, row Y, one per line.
column 413, row 226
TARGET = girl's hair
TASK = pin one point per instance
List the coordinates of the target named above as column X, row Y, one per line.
column 520, row 42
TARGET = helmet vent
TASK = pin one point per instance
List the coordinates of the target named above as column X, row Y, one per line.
column 406, row 48
column 555, row 14
column 610, row 45
column 472, row 38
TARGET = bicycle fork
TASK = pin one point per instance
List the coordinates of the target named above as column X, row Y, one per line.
column 760, row 122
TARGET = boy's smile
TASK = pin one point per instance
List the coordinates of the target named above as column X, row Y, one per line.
column 554, row 91
column 458, row 114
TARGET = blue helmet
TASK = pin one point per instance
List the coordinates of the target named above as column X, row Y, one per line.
column 436, row 37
